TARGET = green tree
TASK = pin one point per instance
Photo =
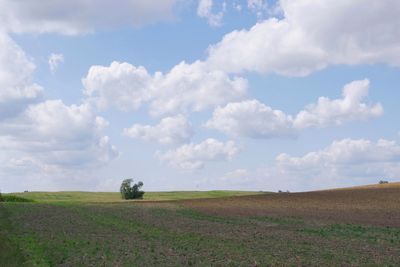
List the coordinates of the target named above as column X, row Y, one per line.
column 129, row 191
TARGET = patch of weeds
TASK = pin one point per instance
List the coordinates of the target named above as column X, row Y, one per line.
column 351, row 231
column 12, row 198
column 33, row 251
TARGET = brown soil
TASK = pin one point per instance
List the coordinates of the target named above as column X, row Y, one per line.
column 371, row 205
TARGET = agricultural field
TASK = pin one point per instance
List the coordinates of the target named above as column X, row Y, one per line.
column 351, row 227
column 116, row 197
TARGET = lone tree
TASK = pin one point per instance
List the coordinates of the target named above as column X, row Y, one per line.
column 129, row 191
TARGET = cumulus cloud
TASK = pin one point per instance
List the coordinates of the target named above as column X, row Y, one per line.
column 298, row 44
column 343, row 162
column 253, row 119
column 121, row 85
column 193, row 87
column 204, row 10
column 185, row 88
column 338, row 111
column 16, row 87
column 76, row 16
column 54, row 134
column 54, row 61
column 170, row 130
column 194, row 156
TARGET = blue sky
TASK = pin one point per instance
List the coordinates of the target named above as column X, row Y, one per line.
column 184, row 95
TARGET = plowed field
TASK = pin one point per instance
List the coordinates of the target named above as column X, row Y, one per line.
column 353, row 227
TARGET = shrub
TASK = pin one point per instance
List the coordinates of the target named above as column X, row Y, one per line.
column 129, row 191
column 1, row 197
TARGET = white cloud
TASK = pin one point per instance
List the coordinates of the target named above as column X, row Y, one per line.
column 338, row 32
column 54, row 134
column 194, row 156
column 193, row 87
column 343, row 163
column 256, row 4
column 253, row 119
column 170, row 130
column 204, row 10
column 16, row 87
column 259, row 7
column 54, row 61
column 185, row 88
column 121, row 85
column 338, row 111
column 76, row 16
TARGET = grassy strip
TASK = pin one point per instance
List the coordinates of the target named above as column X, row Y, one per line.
column 103, row 197
column 12, row 198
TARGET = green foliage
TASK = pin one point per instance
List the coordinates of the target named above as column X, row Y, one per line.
column 1, row 197
column 129, row 191
column 12, row 198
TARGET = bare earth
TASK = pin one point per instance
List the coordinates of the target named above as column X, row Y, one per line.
column 377, row 205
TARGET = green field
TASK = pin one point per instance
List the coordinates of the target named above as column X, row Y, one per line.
column 98, row 229
column 116, row 197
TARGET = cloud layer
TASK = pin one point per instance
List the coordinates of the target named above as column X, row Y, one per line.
column 52, row 133
column 170, row 130
column 17, row 90
column 77, row 17
column 298, row 44
column 194, row 156
column 345, row 162
column 185, row 88
column 253, row 119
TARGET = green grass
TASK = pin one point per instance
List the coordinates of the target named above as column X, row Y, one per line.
column 88, row 197
column 14, row 198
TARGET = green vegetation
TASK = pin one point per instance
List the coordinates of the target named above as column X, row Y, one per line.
column 166, row 234
column 12, row 198
column 10, row 254
column 101, row 229
column 103, row 197
column 129, row 191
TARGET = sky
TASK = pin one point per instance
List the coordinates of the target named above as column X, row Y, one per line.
column 199, row 95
